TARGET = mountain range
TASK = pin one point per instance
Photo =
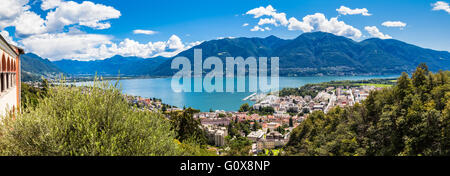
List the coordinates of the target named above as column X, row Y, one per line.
column 316, row 53
column 129, row 66
column 321, row 53
column 33, row 67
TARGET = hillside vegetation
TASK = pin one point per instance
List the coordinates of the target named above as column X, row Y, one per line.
column 34, row 67
column 94, row 120
column 410, row 118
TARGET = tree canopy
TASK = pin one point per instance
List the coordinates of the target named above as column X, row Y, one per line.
column 93, row 120
column 410, row 118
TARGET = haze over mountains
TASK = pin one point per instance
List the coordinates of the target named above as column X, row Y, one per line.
column 316, row 53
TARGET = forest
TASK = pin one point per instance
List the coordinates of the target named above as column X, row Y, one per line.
column 411, row 118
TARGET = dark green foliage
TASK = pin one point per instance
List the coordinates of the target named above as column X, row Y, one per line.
column 306, row 90
column 280, row 129
column 256, row 125
column 262, row 111
column 244, row 107
column 186, row 127
column 411, row 118
column 93, row 120
column 235, row 128
column 30, row 95
column 238, row 146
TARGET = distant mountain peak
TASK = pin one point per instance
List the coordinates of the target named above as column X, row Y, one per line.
column 324, row 53
column 272, row 37
column 309, row 54
column 321, row 35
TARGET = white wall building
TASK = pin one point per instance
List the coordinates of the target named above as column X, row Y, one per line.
column 9, row 77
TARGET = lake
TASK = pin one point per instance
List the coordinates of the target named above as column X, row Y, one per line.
column 161, row 88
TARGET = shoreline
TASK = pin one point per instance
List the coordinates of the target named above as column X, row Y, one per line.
column 88, row 79
column 202, row 106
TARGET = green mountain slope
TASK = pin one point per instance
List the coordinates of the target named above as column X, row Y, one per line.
column 129, row 66
column 33, row 67
column 324, row 53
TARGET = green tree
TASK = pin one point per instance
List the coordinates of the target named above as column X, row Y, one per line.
column 410, row 118
column 238, row 146
column 244, row 107
column 186, row 127
column 82, row 121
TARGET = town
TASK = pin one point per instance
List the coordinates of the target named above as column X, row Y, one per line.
column 270, row 119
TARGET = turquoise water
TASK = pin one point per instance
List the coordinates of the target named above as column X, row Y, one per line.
column 161, row 88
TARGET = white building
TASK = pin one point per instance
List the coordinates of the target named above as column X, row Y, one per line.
column 9, row 77
column 255, row 135
column 219, row 138
column 216, row 134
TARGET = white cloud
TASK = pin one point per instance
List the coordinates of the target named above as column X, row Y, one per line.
column 318, row 22
column 167, row 53
column 269, row 11
column 263, row 21
column 267, row 28
column 441, row 5
column 394, row 24
column 62, row 13
column 29, row 23
column 281, row 18
column 95, row 46
column 10, row 10
column 50, row 4
column 86, row 14
column 262, row 11
column 44, row 36
column 294, row 25
column 257, row 28
column 245, row 24
column 146, row 32
column 347, row 11
column 175, row 43
column 66, row 46
column 7, row 37
column 133, row 48
column 309, row 23
column 374, row 32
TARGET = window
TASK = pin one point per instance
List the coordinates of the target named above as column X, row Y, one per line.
column 7, row 81
column 2, row 82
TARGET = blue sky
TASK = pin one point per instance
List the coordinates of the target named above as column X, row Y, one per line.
column 86, row 30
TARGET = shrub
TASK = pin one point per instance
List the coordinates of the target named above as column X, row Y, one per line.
column 92, row 120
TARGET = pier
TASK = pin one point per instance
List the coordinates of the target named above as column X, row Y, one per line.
column 246, row 98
